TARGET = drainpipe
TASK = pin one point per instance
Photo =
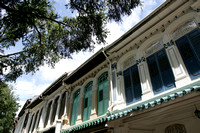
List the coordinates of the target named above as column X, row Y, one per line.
column 110, row 107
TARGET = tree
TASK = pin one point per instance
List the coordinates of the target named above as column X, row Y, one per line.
column 46, row 38
column 8, row 107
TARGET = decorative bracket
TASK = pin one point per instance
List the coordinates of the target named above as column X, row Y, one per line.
column 119, row 73
column 114, row 66
column 140, row 60
column 169, row 44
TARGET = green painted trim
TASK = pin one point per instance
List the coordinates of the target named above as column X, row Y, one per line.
column 153, row 102
column 85, row 125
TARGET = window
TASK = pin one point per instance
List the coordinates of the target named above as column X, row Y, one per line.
column 47, row 114
column 189, row 47
column 75, row 106
column 87, row 102
column 54, row 110
column 103, row 94
column 62, row 105
column 133, row 90
column 160, row 71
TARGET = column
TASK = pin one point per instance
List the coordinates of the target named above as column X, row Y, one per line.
column 67, row 115
column 175, row 61
column 144, row 79
column 94, row 101
column 58, row 126
column 50, row 114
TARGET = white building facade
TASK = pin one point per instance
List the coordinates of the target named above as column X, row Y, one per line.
column 147, row 81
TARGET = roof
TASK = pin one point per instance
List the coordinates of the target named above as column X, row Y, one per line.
column 53, row 87
column 87, row 66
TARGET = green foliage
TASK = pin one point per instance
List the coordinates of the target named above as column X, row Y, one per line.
column 8, row 107
column 46, row 37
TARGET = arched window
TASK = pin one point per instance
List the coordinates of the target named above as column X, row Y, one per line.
column 75, row 106
column 62, row 105
column 175, row 128
column 132, row 85
column 87, row 103
column 189, row 47
column 103, row 94
column 54, row 110
column 47, row 114
column 160, row 71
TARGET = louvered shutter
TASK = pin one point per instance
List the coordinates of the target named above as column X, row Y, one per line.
column 100, row 99
column 136, row 83
column 188, row 55
column 165, row 70
column 195, row 39
column 128, row 88
column 85, row 106
column 75, row 107
column 89, row 103
column 154, row 74
column 106, row 95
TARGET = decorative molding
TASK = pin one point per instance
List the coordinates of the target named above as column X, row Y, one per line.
column 182, row 30
column 168, row 44
column 114, row 66
column 129, row 62
column 140, row 60
column 119, row 73
column 154, row 47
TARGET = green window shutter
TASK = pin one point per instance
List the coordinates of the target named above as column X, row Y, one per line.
column 103, row 94
column 106, row 96
column 75, row 106
column 87, row 104
column 100, row 100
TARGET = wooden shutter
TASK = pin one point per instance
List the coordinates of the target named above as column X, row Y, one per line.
column 195, row 39
column 154, row 74
column 103, row 93
column 100, row 99
column 106, row 95
column 165, row 70
column 136, row 83
column 75, row 107
column 87, row 104
column 187, row 52
column 128, row 88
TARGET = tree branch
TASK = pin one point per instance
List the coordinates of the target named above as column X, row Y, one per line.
column 8, row 55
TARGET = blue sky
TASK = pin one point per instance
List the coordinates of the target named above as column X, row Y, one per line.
column 30, row 85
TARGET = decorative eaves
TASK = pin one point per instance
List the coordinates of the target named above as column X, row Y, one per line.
column 152, row 103
column 86, row 125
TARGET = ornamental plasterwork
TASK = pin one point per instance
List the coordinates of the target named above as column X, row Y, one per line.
column 175, row 128
column 154, row 47
column 129, row 62
column 184, row 29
